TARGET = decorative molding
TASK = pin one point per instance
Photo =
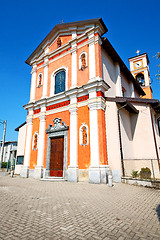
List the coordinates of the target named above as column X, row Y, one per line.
column 42, row 118
column 35, row 134
column 58, row 105
column 83, row 98
column 57, row 126
column 36, row 111
column 29, row 121
column 81, row 135
column 73, row 111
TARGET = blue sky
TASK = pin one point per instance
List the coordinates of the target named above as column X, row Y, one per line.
column 131, row 25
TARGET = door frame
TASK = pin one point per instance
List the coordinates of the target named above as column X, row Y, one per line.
column 57, row 130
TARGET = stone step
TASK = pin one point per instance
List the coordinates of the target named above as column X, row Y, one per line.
column 54, row 179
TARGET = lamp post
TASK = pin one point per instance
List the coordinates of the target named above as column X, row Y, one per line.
column 4, row 134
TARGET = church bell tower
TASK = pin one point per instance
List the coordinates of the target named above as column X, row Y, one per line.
column 140, row 70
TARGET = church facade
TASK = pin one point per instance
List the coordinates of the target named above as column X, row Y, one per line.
column 85, row 114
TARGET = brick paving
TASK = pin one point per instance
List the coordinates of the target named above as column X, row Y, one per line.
column 33, row 209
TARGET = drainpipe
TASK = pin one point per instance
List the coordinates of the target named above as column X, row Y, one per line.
column 154, row 136
column 120, row 139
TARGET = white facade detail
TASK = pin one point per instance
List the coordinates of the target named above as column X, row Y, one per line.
column 33, row 83
column 73, row 168
column 45, row 82
column 24, row 172
column 42, row 128
column 94, row 134
column 92, row 69
column 74, row 64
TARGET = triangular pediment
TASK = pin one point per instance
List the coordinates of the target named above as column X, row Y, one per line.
column 66, row 33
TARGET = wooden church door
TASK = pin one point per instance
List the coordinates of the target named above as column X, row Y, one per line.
column 56, row 157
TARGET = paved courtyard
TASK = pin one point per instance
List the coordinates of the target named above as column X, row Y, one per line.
column 33, row 209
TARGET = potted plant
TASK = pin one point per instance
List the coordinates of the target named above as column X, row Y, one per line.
column 145, row 173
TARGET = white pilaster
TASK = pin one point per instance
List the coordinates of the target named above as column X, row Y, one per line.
column 25, row 167
column 38, row 172
column 33, row 83
column 92, row 70
column 94, row 170
column 74, row 64
column 73, row 168
column 118, row 81
column 45, row 80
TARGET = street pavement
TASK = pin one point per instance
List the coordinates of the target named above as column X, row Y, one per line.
column 34, row 209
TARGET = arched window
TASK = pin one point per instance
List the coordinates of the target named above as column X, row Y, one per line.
column 35, row 141
column 140, row 79
column 60, row 82
column 83, row 134
column 39, row 83
column 82, row 61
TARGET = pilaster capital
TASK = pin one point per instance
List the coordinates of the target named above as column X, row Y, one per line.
column 34, row 69
column 92, row 106
column 97, row 105
column 74, row 49
column 98, row 40
column 29, row 121
column 91, row 41
column 46, row 62
column 73, row 110
column 42, row 118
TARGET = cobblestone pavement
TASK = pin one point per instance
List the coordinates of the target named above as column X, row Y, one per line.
column 33, row 209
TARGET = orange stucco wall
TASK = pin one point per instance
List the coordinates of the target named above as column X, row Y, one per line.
column 83, row 151
column 64, row 40
column 33, row 156
column 148, row 92
column 62, row 62
column 102, row 137
column 98, row 60
column 82, row 76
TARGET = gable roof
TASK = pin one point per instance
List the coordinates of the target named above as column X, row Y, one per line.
column 62, row 26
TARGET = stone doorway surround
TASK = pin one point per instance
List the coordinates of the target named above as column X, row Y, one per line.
column 59, row 129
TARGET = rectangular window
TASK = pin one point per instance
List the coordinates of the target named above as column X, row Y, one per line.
column 20, row 160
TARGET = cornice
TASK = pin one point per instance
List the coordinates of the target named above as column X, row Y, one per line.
column 99, row 85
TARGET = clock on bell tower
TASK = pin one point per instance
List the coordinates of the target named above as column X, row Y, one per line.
column 140, row 70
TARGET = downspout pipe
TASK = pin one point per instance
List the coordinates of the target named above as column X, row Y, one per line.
column 120, row 139
column 155, row 142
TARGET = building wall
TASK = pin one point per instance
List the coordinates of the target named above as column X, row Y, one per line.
column 21, row 141
column 108, row 73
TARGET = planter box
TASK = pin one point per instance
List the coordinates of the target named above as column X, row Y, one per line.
column 141, row 182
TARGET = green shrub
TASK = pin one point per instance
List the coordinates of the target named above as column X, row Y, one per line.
column 4, row 165
column 135, row 174
column 145, row 173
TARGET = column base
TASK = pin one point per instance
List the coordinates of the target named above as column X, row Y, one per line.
column 24, row 172
column 73, row 174
column 38, row 172
column 94, row 174
column 105, row 172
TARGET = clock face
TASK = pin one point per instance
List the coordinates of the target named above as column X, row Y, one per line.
column 138, row 64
